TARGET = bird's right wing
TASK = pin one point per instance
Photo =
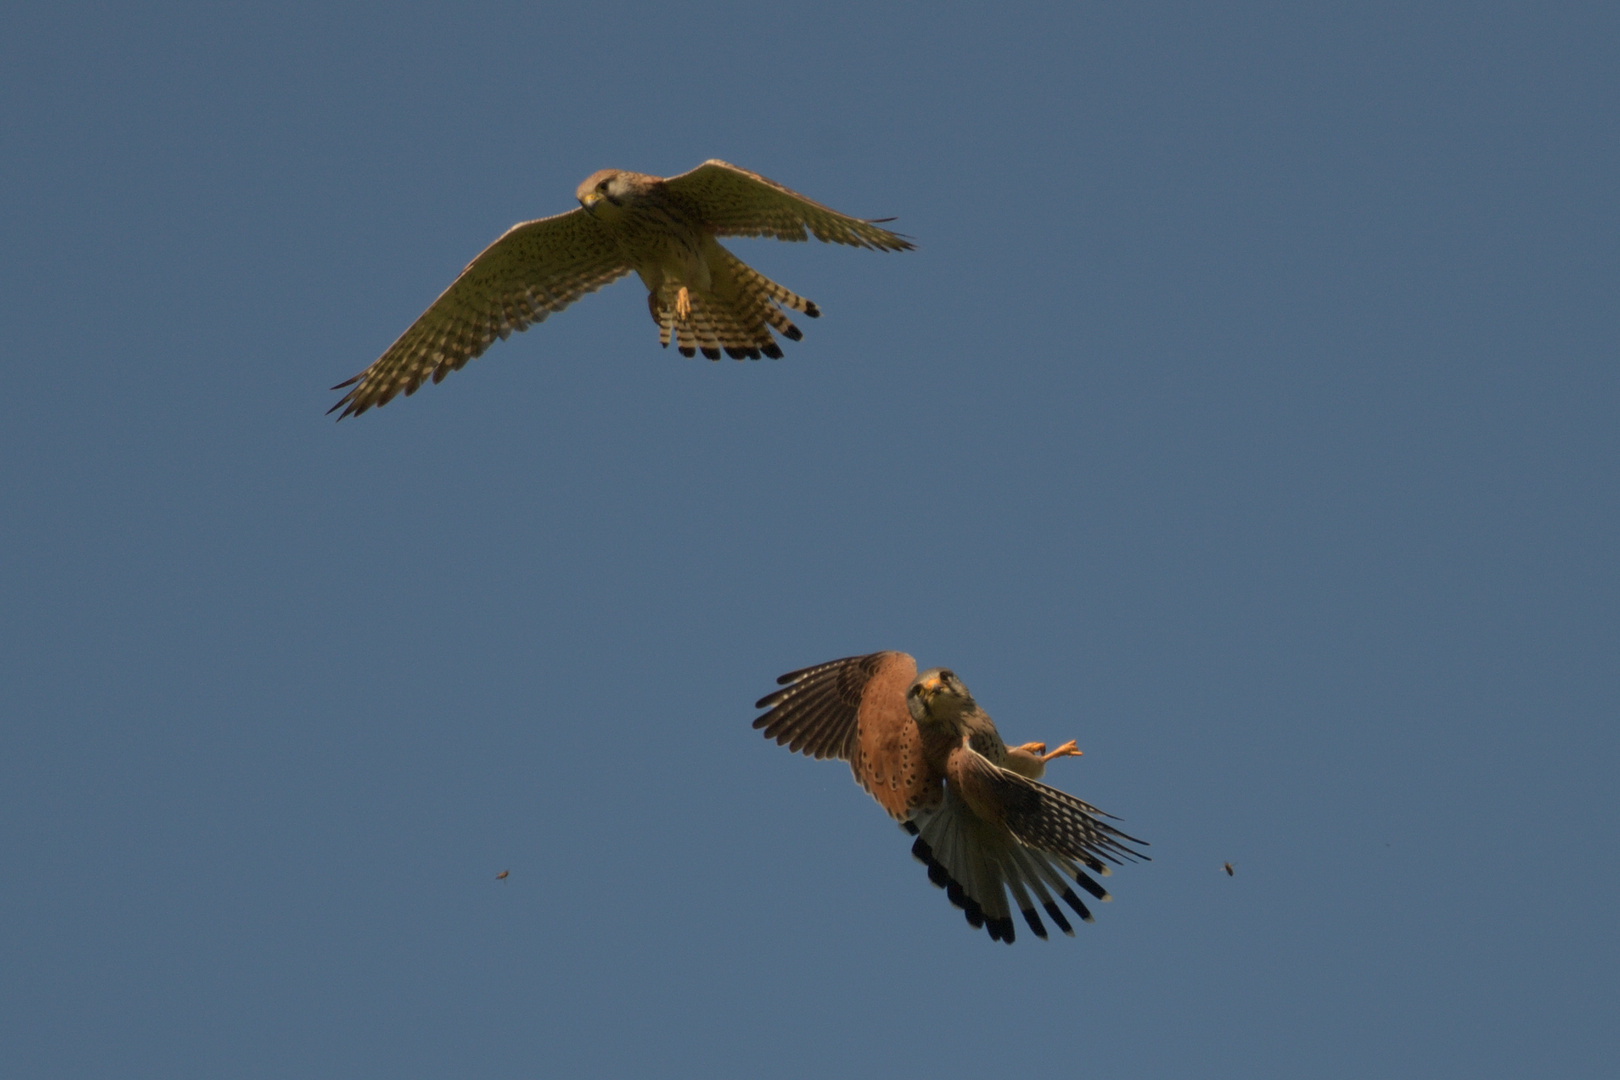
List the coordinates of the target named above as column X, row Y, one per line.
column 818, row 710
column 534, row 269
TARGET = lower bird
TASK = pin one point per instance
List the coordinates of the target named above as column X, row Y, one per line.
column 933, row 759
column 665, row 230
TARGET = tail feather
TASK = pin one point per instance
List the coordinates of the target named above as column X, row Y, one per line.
column 1030, row 875
column 967, row 859
column 1026, row 906
column 1049, row 875
column 757, row 282
column 708, row 337
column 1080, row 909
column 663, row 316
column 979, row 863
column 727, row 329
column 986, row 876
column 736, row 313
column 1085, row 882
column 758, row 297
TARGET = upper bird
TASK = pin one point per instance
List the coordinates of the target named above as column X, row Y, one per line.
column 664, row 230
column 934, row 760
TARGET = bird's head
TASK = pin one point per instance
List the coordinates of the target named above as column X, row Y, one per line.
column 937, row 697
column 603, row 194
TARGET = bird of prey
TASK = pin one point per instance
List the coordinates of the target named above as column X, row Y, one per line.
column 664, row 230
column 925, row 750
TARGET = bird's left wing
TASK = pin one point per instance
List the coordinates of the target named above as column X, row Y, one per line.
column 996, row 832
column 1037, row 816
column 736, row 202
column 534, row 269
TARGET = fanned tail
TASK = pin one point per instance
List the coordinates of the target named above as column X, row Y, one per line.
column 736, row 315
column 754, row 282
column 978, row 862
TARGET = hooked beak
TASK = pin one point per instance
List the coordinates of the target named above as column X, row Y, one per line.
column 589, row 200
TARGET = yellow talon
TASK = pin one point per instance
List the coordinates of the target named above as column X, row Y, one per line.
column 1068, row 749
column 683, row 303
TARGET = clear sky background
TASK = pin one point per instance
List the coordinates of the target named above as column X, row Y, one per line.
column 1248, row 412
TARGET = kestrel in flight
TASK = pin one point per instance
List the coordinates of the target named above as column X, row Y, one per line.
column 665, row 231
column 933, row 759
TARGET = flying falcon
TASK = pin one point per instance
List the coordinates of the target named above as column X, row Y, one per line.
column 933, row 759
column 665, row 231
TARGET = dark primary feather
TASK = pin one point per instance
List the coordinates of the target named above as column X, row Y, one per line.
column 736, row 202
column 531, row 271
column 1047, row 819
column 815, row 712
column 998, row 833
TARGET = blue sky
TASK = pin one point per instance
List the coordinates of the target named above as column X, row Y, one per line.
column 1247, row 413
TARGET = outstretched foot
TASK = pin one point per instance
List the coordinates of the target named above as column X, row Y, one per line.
column 1038, row 749
column 683, row 303
column 1068, row 749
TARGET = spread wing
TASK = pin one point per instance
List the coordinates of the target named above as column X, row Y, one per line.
column 736, row 202
column 818, row 710
column 1036, row 815
column 534, row 269
column 997, row 833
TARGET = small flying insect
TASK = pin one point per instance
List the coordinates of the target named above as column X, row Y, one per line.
column 1228, row 868
column 502, row 875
